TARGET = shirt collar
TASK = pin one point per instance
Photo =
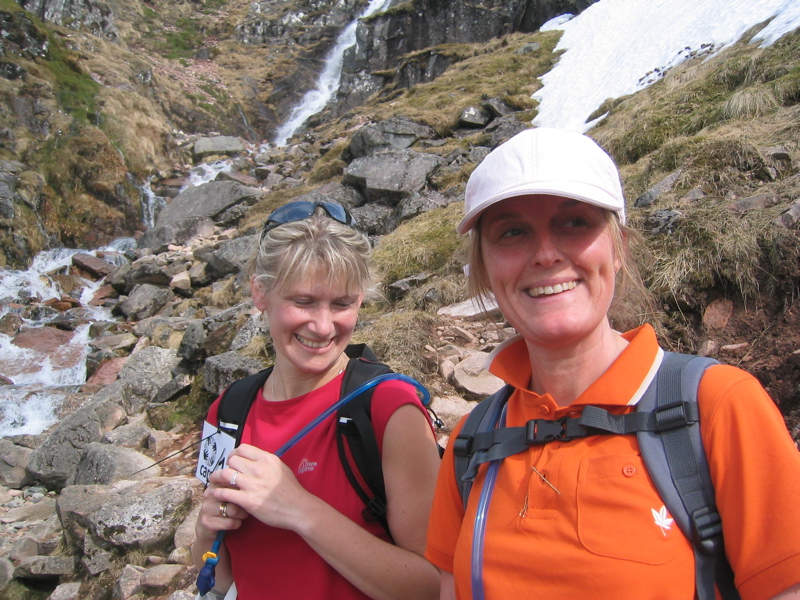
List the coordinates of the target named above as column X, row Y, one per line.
column 623, row 383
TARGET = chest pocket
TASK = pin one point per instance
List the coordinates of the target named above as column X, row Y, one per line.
column 620, row 513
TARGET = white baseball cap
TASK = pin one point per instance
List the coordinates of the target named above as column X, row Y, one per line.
column 552, row 162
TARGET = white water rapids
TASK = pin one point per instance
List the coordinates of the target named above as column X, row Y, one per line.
column 42, row 380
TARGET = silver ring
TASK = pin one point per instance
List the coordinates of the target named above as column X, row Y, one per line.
column 233, row 479
column 223, row 509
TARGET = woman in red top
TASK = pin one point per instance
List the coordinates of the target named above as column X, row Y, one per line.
column 582, row 518
column 294, row 525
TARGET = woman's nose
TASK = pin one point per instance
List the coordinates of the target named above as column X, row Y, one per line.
column 546, row 250
column 322, row 322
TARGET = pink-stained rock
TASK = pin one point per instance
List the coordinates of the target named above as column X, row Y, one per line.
column 108, row 372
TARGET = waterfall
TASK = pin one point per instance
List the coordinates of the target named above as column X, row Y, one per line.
column 151, row 204
column 316, row 99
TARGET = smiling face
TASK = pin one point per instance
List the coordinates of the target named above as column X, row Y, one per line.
column 551, row 264
column 311, row 321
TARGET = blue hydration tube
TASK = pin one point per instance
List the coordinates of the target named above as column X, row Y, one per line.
column 479, row 527
column 206, row 578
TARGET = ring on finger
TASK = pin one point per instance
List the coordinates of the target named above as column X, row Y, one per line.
column 223, row 509
column 233, row 479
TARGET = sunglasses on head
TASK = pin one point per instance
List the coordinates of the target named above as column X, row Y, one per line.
column 303, row 209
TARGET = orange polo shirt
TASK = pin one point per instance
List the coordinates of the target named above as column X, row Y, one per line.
column 590, row 524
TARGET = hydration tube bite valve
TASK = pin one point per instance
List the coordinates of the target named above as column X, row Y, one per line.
column 207, row 576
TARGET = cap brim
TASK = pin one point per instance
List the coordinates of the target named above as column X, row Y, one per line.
column 577, row 191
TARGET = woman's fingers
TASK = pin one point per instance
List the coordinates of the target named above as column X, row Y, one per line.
column 220, row 514
column 257, row 483
column 227, row 477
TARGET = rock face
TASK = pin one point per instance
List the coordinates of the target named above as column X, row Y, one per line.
column 78, row 14
column 213, row 200
column 383, row 40
column 101, row 169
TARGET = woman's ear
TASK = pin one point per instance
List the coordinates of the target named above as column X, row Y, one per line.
column 258, row 292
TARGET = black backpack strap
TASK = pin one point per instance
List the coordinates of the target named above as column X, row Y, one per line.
column 677, row 464
column 355, row 435
column 466, row 454
column 235, row 403
column 484, row 445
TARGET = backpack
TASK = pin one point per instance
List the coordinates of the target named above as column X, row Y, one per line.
column 666, row 423
column 355, row 436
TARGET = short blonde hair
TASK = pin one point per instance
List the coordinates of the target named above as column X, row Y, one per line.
column 291, row 251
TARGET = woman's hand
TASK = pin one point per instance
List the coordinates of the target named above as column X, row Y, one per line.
column 216, row 515
column 258, row 483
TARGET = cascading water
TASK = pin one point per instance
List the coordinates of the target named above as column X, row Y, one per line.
column 202, row 173
column 151, row 204
column 315, row 100
column 41, row 380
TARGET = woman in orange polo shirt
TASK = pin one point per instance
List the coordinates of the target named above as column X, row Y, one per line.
column 582, row 518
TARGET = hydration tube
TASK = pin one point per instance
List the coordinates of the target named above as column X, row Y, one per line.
column 206, row 578
column 354, row 394
column 479, row 527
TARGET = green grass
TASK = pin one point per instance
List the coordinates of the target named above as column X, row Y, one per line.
column 426, row 243
column 76, row 90
column 742, row 82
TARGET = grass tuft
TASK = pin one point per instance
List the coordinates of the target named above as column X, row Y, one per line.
column 750, row 102
column 399, row 339
column 427, row 243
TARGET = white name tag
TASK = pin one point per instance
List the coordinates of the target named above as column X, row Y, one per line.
column 214, row 451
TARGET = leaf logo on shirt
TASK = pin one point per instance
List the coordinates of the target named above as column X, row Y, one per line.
column 662, row 519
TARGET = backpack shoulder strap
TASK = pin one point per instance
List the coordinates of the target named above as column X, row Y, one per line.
column 677, row 464
column 483, row 418
column 355, row 435
column 235, row 403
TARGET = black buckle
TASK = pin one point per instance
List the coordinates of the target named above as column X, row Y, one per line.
column 541, row 431
column 462, row 445
column 374, row 510
column 707, row 530
column 671, row 416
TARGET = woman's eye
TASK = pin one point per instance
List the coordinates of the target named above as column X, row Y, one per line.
column 344, row 304
column 576, row 222
column 511, row 232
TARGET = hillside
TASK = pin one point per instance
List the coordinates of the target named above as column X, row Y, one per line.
column 100, row 102
column 94, row 110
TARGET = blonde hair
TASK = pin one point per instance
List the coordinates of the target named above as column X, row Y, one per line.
column 291, row 251
column 632, row 300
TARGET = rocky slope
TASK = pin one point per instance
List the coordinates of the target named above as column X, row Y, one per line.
column 94, row 92
column 134, row 90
